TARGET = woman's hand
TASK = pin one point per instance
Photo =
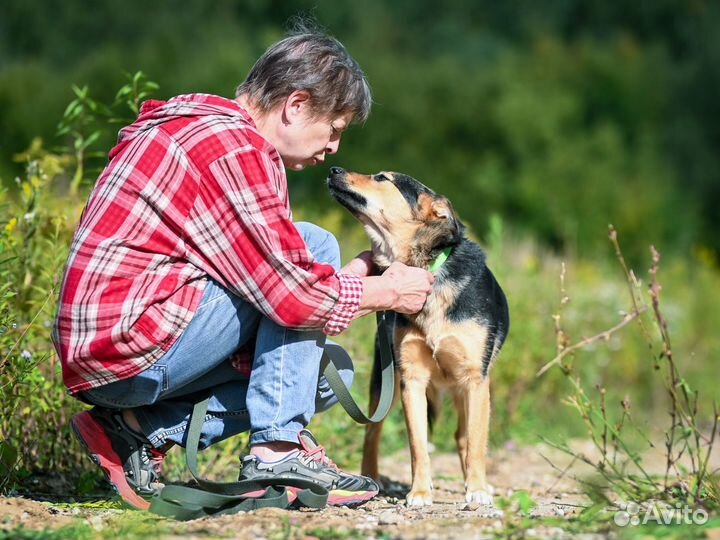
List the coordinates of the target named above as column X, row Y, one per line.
column 411, row 286
column 400, row 288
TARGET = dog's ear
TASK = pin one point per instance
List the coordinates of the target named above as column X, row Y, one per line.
column 443, row 213
column 442, row 209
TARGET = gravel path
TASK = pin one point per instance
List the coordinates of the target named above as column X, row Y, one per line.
column 510, row 469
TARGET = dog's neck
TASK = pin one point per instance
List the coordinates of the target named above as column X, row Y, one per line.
column 383, row 255
column 419, row 250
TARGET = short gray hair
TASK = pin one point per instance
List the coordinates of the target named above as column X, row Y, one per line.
column 308, row 59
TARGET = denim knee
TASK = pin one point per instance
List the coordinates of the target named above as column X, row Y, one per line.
column 321, row 243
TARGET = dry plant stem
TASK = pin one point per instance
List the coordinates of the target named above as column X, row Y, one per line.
column 684, row 408
column 683, row 435
column 587, row 412
column 633, row 285
column 628, row 486
column 627, row 319
column 703, row 469
column 605, row 420
column 562, row 472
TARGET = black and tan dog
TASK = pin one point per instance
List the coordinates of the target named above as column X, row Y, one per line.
column 452, row 342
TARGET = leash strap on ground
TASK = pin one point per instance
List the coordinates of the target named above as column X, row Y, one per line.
column 218, row 498
column 387, row 385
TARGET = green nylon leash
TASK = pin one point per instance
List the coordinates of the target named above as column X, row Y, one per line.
column 387, row 385
column 219, row 498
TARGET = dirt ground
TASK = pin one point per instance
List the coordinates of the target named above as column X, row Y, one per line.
column 511, row 469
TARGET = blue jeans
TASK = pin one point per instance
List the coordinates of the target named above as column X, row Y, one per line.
column 284, row 390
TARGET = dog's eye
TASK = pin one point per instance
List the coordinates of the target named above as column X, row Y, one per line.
column 380, row 177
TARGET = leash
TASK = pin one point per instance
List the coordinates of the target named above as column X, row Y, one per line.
column 387, row 385
column 219, row 498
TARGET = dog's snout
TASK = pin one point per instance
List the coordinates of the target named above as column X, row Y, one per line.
column 337, row 171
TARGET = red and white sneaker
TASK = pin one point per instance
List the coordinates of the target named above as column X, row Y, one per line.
column 311, row 463
column 130, row 463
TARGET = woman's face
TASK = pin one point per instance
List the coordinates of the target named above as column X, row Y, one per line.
column 307, row 139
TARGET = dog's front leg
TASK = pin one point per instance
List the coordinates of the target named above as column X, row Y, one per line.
column 477, row 410
column 415, row 367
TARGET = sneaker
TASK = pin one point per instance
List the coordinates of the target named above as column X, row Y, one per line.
column 311, row 463
column 129, row 462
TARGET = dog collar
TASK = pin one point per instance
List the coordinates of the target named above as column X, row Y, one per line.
column 440, row 260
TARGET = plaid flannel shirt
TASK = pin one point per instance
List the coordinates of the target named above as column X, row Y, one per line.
column 191, row 191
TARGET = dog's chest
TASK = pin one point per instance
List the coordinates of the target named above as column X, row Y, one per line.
column 456, row 347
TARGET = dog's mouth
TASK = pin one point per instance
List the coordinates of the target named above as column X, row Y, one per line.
column 344, row 194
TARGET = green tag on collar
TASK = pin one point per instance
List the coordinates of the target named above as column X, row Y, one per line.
column 440, row 260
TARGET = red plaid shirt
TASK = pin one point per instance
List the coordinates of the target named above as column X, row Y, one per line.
column 191, row 191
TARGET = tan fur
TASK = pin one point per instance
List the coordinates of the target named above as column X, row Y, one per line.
column 433, row 357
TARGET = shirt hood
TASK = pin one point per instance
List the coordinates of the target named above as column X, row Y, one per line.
column 155, row 112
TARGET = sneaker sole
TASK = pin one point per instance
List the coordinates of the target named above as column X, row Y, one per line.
column 97, row 445
column 339, row 497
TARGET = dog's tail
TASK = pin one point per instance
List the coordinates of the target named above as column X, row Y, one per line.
column 433, row 408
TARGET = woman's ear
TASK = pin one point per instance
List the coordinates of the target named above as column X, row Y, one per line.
column 297, row 107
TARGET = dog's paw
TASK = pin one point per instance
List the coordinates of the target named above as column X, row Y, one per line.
column 419, row 497
column 483, row 496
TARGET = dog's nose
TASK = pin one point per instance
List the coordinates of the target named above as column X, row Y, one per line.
column 337, row 171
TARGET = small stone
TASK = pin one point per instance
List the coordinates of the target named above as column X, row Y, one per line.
column 389, row 517
column 559, row 511
column 470, row 507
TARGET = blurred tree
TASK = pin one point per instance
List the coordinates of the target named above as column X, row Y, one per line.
column 563, row 116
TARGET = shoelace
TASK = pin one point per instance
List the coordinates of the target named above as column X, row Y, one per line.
column 156, row 457
column 322, row 457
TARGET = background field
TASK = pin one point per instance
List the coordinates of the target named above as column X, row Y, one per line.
column 543, row 122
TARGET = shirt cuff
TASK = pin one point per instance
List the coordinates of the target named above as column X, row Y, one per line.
column 351, row 289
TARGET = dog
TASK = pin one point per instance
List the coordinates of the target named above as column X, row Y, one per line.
column 452, row 342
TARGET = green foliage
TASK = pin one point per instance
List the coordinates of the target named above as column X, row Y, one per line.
column 562, row 117
column 84, row 119
column 520, row 501
column 73, row 532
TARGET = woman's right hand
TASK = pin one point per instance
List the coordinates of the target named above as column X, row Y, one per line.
column 410, row 287
column 400, row 288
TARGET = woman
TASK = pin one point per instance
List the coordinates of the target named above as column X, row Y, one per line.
column 187, row 277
